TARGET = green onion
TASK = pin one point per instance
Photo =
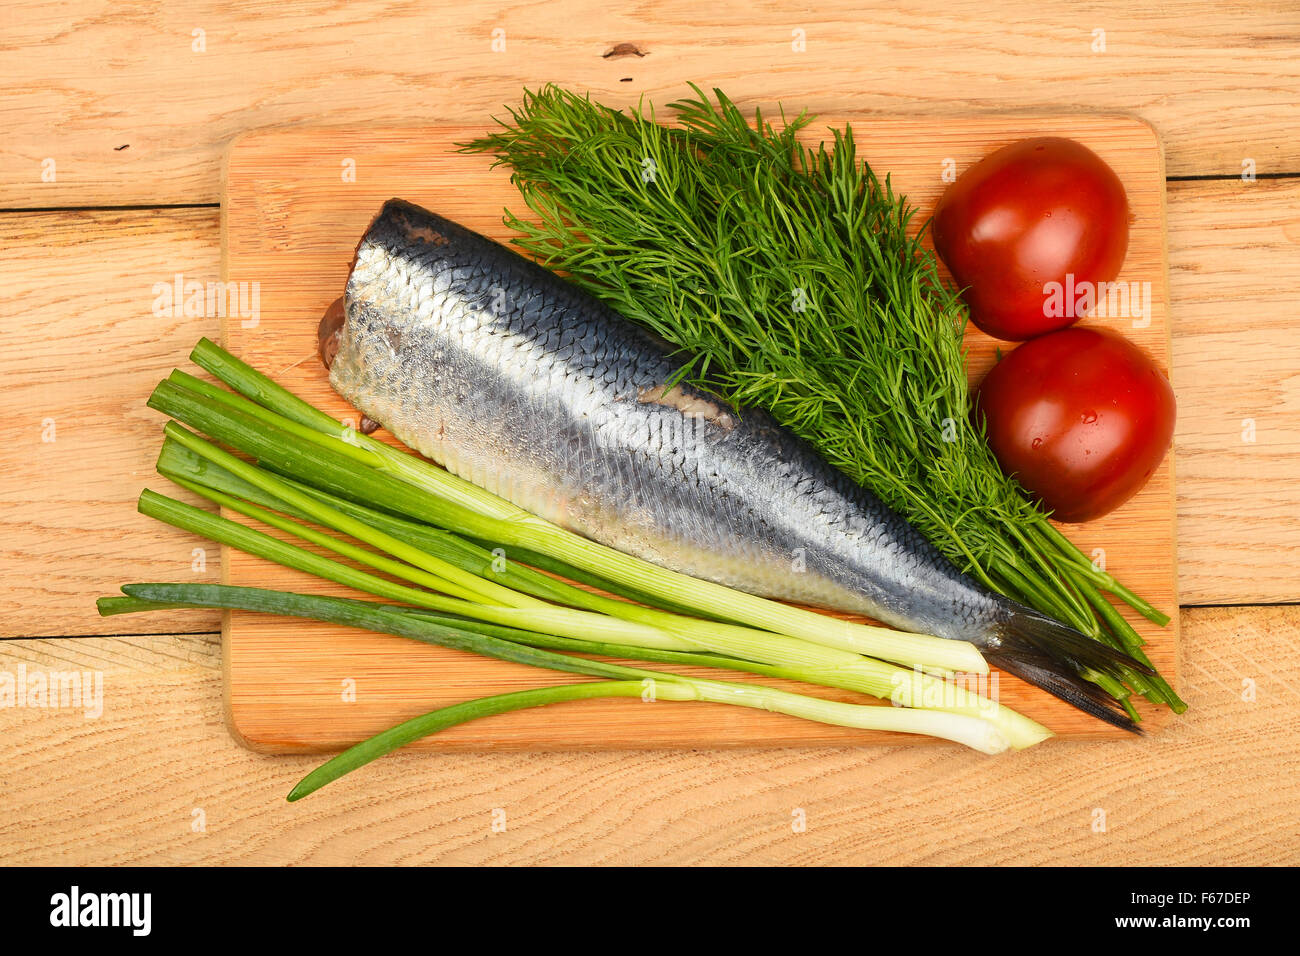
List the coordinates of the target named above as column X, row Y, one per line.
column 434, row 721
column 537, row 616
column 974, row 732
column 445, row 501
column 192, row 471
column 795, row 659
column 422, row 532
column 456, row 581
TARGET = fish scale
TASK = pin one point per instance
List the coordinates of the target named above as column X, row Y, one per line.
column 525, row 385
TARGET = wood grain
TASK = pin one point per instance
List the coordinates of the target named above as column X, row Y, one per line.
column 84, row 346
column 291, row 223
column 81, row 79
column 129, row 110
column 1221, row 786
column 79, row 295
column 1234, row 248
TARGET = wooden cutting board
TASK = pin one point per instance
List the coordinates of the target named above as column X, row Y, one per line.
column 296, row 202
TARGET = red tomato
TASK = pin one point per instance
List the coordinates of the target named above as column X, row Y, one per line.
column 1028, row 215
column 1081, row 417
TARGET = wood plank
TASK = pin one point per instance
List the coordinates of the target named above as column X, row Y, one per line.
column 129, row 112
column 1233, row 254
column 84, row 347
column 79, row 293
column 291, row 228
column 1221, row 786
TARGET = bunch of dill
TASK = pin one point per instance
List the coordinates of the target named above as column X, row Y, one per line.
column 787, row 278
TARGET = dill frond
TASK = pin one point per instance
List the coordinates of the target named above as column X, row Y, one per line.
column 788, row 279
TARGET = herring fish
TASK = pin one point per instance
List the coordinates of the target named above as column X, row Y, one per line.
column 520, row 382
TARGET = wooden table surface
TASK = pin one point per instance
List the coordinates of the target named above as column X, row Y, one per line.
column 116, row 121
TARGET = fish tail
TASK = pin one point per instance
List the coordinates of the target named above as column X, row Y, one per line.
column 1054, row 656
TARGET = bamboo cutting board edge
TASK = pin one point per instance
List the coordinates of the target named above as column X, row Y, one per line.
column 502, row 732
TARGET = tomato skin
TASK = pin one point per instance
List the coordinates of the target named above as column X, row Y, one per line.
column 1082, row 417
column 1025, row 216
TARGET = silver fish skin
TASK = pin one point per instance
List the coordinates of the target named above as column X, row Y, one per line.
column 525, row 385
